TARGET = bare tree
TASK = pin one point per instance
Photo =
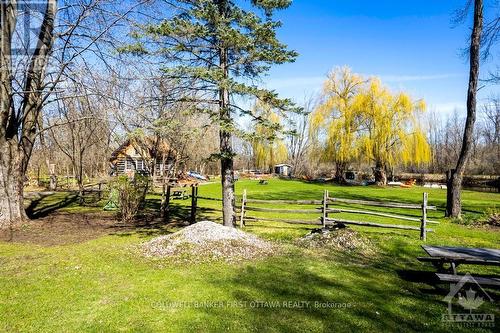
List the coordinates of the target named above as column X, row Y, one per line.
column 31, row 72
column 491, row 132
column 83, row 125
column 18, row 125
column 453, row 201
column 298, row 142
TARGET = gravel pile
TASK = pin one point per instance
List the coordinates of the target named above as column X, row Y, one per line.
column 343, row 239
column 207, row 241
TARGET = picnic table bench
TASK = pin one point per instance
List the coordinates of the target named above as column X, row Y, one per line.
column 454, row 256
column 481, row 280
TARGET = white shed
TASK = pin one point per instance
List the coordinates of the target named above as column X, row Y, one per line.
column 283, row 169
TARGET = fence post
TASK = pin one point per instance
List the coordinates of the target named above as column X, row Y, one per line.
column 165, row 202
column 194, row 197
column 325, row 207
column 99, row 194
column 242, row 213
column 423, row 232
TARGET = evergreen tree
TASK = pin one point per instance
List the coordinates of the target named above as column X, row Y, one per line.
column 215, row 50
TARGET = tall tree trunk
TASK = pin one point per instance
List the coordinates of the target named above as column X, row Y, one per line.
column 453, row 201
column 226, row 149
column 79, row 177
column 340, row 172
column 14, row 153
column 11, row 184
column 227, row 178
column 11, row 189
column 380, row 174
column 227, row 173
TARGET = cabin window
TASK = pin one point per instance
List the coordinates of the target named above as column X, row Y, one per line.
column 120, row 166
column 130, row 165
column 140, row 165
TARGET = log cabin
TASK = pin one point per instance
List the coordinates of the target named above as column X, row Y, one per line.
column 145, row 156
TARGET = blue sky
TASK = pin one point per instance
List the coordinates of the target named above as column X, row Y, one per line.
column 411, row 45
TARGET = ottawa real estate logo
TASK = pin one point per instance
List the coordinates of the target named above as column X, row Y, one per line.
column 464, row 305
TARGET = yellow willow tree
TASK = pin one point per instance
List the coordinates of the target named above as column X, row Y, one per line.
column 335, row 122
column 268, row 148
column 390, row 133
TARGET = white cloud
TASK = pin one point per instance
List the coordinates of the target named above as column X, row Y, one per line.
column 447, row 108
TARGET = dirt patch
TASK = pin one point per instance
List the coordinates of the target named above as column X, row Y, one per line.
column 207, row 241
column 342, row 239
column 64, row 228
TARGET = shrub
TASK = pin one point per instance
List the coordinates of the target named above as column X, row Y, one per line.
column 464, row 219
column 490, row 217
column 131, row 196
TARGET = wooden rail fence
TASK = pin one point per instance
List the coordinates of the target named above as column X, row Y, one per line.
column 333, row 205
column 326, row 209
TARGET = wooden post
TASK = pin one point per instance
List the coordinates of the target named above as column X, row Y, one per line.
column 325, row 207
column 165, row 202
column 242, row 213
column 38, row 176
column 194, row 195
column 423, row 235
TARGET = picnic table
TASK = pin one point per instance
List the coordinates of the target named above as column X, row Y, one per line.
column 454, row 256
column 180, row 194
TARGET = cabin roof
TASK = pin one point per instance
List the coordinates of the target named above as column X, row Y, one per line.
column 145, row 144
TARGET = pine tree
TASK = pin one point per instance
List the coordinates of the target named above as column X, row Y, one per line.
column 215, row 50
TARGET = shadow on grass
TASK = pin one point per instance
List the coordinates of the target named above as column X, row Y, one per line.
column 38, row 209
column 178, row 212
column 376, row 305
column 149, row 222
column 387, row 293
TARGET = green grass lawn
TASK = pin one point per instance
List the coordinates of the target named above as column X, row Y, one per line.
column 105, row 285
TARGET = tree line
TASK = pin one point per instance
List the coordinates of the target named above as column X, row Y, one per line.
column 183, row 73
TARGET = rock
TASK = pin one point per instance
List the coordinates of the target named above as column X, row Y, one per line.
column 341, row 239
column 208, row 241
